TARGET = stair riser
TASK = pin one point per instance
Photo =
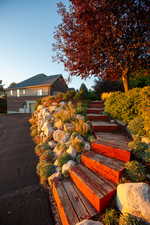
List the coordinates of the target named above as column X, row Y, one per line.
column 111, row 152
column 86, row 191
column 94, row 105
column 102, row 169
column 95, row 118
column 96, row 111
column 98, row 203
column 105, row 128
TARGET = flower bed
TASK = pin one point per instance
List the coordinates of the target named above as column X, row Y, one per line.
column 61, row 132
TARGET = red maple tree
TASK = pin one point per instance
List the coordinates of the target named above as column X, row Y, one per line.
column 104, row 38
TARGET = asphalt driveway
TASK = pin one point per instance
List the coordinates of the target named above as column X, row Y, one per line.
column 22, row 200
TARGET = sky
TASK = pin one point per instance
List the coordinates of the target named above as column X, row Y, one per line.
column 26, row 38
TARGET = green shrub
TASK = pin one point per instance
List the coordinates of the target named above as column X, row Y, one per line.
column 111, row 217
column 144, row 108
column 64, row 159
column 40, row 148
column 128, row 219
column 136, row 126
column 69, row 95
column 147, row 155
column 117, row 105
column 101, row 86
column 132, row 105
column 92, row 95
column 47, row 156
column 46, row 170
column 135, row 171
column 81, row 108
column 140, row 150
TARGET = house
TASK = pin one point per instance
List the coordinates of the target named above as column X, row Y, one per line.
column 22, row 97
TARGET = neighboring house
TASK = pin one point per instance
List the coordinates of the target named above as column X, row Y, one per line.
column 22, row 97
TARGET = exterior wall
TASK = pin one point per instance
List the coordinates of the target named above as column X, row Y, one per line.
column 17, row 104
column 59, row 86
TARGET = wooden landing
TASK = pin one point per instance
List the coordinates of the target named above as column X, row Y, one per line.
column 95, row 188
column 114, row 145
column 109, row 168
column 104, row 126
column 72, row 206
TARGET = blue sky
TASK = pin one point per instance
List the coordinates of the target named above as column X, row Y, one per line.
column 26, row 39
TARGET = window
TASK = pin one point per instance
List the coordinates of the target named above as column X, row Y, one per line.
column 11, row 92
column 18, row 93
column 39, row 92
column 24, row 92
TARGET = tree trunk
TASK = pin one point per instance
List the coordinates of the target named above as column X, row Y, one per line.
column 125, row 79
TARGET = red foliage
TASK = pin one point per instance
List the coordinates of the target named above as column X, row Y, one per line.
column 103, row 38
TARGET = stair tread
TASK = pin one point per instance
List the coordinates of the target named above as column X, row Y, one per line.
column 115, row 140
column 114, row 164
column 95, row 178
column 97, row 108
column 103, row 123
column 97, row 189
column 74, row 205
column 93, row 114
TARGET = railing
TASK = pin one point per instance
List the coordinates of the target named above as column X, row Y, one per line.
column 33, row 94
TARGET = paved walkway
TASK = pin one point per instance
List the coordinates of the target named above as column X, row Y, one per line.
column 22, row 201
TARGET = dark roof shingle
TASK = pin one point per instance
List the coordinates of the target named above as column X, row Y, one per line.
column 38, row 79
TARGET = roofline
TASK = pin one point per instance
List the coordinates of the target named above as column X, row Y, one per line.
column 38, row 85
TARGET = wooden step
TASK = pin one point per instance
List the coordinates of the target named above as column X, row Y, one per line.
column 95, row 110
column 104, row 126
column 72, row 206
column 107, row 167
column 96, row 105
column 114, row 145
column 94, row 117
column 95, row 188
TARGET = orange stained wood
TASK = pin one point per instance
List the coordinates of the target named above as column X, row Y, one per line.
column 97, row 190
column 110, row 151
column 72, row 206
column 107, row 169
column 66, row 212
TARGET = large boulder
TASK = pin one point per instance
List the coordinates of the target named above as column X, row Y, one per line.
column 67, row 166
column 68, row 127
column 89, row 222
column 134, row 198
column 59, row 135
column 48, row 130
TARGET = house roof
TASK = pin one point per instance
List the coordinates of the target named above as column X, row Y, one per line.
column 39, row 79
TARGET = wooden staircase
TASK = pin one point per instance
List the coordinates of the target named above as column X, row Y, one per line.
column 93, row 182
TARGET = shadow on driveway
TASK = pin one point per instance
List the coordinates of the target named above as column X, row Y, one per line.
column 22, row 200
